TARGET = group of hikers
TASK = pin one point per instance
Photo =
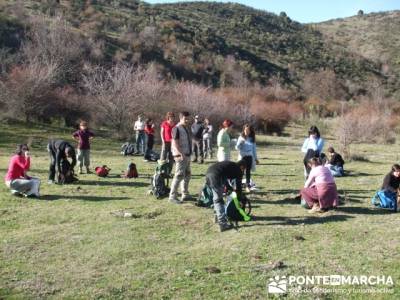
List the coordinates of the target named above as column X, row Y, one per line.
column 183, row 144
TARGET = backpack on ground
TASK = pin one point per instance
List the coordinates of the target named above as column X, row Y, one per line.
column 127, row 149
column 237, row 210
column 164, row 167
column 153, row 156
column 385, row 199
column 159, row 186
column 205, row 198
column 131, row 171
column 66, row 174
column 102, row 171
column 160, row 180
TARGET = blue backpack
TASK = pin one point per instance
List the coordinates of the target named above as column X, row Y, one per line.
column 385, row 199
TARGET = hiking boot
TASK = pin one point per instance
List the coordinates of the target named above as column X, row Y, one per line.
column 201, row 161
column 174, row 201
column 194, row 160
column 225, row 226
column 80, row 171
column 50, row 181
column 88, row 171
column 16, row 193
column 186, row 198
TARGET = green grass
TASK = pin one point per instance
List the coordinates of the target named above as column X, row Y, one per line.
column 69, row 245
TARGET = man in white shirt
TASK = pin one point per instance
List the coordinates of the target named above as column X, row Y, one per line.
column 140, row 135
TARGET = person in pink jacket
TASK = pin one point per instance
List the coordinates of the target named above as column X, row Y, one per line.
column 17, row 179
column 319, row 192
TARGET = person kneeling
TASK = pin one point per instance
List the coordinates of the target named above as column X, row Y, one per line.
column 387, row 196
column 319, row 192
column 17, row 179
column 216, row 177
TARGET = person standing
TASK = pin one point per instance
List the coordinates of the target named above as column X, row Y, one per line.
column 59, row 150
column 246, row 145
column 140, row 135
column 166, row 137
column 312, row 147
column 83, row 136
column 197, row 139
column 181, row 151
column 17, row 178
column 207, row 139
column 149, row 130
column 224, row 141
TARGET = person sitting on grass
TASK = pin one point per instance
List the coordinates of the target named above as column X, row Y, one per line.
column 389, row 191
column 335, row 163
column 319, row 192
column 83, row 136
column 17, row 179
column 58, row 151
column 391, row 182
column 217, row 176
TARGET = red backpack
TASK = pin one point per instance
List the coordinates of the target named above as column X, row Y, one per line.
column 102, row 171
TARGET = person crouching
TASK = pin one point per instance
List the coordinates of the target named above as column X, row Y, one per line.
column 217, row 177
column 319, row 192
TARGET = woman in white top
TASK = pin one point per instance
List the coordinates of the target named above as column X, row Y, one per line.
column 312, row 147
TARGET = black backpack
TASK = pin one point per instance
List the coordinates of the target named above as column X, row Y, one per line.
column 66, row 174
column 159, row 187
column 127, row 149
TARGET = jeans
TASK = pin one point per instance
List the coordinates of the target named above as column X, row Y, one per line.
column 217, row 187
column 207, row 148
column 52, row 167
column 83, row 157
column 149, row 145
column 197, row 149
column 249, row 164
column 336, row 171
column 140, row 141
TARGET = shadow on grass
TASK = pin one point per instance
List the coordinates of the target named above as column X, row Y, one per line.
column 81, row 197
column 271, row 164
column 359, row 174
column 356, row 210
column 129, row 182
column 290, row 221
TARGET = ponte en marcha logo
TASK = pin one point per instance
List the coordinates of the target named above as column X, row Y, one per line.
column 283, row 284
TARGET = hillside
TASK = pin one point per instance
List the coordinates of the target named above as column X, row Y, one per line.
column 211, row 43
column 373, row 36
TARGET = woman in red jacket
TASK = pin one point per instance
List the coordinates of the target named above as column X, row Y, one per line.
column 17, row 179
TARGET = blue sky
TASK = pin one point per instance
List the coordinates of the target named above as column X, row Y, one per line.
column 307, row 11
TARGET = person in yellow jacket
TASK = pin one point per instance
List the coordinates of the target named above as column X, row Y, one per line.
column 224, row 141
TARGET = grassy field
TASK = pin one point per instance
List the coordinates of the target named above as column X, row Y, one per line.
column 69, row 245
